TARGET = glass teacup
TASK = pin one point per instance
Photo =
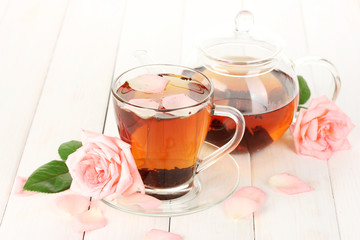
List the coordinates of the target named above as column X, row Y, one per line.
column 164, row 112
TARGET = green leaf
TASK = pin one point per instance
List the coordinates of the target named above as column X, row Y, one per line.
column 51, row 177
column 68, row 148
column 304, row 90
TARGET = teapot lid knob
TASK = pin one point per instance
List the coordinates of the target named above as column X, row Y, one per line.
column 244, row 21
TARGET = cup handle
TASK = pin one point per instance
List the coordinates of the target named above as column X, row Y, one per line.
column 234, row 114
column 325, row 63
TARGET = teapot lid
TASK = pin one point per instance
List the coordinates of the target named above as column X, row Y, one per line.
column 247, row 44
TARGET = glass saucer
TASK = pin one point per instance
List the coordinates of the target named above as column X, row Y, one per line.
column 211, row 186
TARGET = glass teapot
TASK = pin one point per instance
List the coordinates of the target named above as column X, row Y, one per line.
column 250, row 73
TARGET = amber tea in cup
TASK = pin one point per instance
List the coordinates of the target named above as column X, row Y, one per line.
column 164, row 112
column 156, row 139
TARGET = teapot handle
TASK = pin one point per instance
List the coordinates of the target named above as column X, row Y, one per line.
column 312, row 60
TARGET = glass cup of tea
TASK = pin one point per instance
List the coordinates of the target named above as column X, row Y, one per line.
column 164, row 112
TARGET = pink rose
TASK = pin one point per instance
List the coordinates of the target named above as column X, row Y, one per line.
column 103, row 168
column 321, row 129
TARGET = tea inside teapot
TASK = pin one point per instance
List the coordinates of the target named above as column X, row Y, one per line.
column 251, row 74
column 267, row 101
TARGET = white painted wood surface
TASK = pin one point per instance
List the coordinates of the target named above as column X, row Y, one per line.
column 25, row 59
column 57, row 59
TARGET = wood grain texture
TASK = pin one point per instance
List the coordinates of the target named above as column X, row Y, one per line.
column 304, row 216
column 199, row 22
column 284, row 19
column 147, row 27
column 3, row 7
column 64, row 54
column 314, row 215
column 334, row 33
column 154, row 26
column 74, row 97
column 214, row 223
column 24, row 62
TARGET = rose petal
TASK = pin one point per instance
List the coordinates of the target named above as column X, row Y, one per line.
column 322, row 155
column 89, row 220
column 318, row 101
column 113, row 142
column 180, row 101
column 148, row 103
column 143, row 112
column 314, row 113
column 156, row 234
column 289, row 184
column 143, row 200
column 244, row 202
column 240, row 207
column 177, row 101
column 312, row 130
column 19, row 187
column 73, row 203
column 343, row 144
column 252, row 193
column 138, row 184
column 318, row 149
column 149, row 83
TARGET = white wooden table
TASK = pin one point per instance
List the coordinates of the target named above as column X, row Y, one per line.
column 58, row 58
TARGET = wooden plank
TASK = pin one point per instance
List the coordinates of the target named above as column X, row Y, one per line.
column 344, row 170
column 333, row 32
column 334, row 35
column 213, row 223
column 204, row 19
column 282, row 18
column 3, row 7
column 74, row 97
column 304, row 216
column 121, row 223
column 154, row 26
column 24, row 61
column 200, row 18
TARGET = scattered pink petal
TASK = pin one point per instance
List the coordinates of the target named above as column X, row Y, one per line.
column 244, row 202
column 156, row 234
column 89, row 220
column 177, row 101
column 143, row 200
column 289, row 184
column 149, row 83
column 73, row 203
column 240, row 207
column 19, row 185
column 252, row 193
